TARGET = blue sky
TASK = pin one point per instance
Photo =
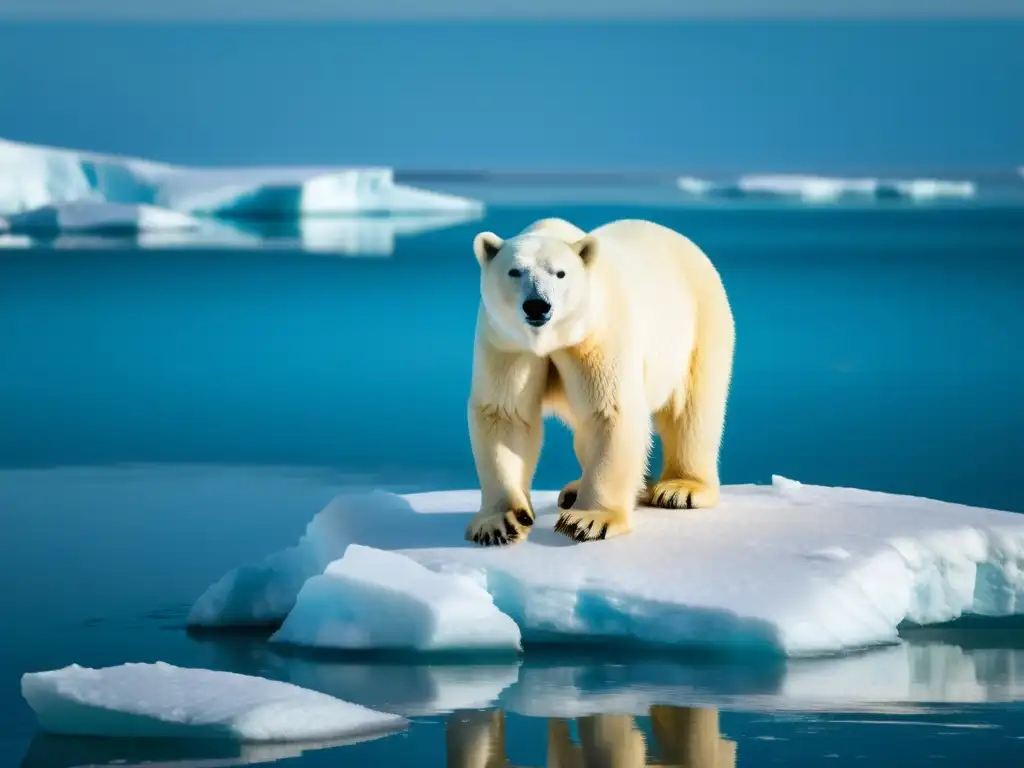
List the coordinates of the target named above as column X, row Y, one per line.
column 415, row 9
column 681, row 95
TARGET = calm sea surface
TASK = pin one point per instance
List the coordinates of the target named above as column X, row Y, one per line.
column 167, row 414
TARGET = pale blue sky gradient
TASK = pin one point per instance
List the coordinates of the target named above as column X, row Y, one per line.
column 691, row 96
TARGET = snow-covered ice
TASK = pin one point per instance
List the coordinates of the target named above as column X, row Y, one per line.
column 33, row 176
column 788, row 569
column 161, row 700
column 372, row 599
column 100, row 217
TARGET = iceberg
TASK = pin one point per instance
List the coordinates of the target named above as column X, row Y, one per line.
column 163, row 701
column 33, row 177
column 371, row 599
column 786, row 569
column 829, row 189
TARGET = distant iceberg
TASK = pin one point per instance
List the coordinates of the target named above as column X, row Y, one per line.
column 827, row 189
column 34, row 177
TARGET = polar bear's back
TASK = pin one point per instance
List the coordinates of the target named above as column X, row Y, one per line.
column 643, row 248
column 671, row 294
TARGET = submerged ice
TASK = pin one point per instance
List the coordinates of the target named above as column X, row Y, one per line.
column 788, row 568
column 36, row 177
column 161, row 700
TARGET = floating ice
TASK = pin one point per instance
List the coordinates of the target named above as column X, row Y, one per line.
column 160, row 700
column 791, row 569
column 33, row 176
column 374, row 599
column 99, row 217
column 828, row 189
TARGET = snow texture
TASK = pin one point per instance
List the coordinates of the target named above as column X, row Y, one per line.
column 163, row 701
column 34, row 177
column 371, row 599
column 784, row 569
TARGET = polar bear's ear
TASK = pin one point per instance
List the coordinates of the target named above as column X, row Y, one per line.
column 486, row 246
column 586, row 247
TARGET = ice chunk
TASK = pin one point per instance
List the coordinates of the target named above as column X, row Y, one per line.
column 35, row 176
column 746, row 576
column 31, row 177
column 374, row 599
column 264, row 593
column 99, row 217
column 160, row 700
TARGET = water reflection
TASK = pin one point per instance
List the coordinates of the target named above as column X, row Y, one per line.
column 347, row 236
column 973, row 668
column 50, row 751
column 683, row 737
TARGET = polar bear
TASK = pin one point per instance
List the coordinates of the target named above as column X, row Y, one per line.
column 614, row 331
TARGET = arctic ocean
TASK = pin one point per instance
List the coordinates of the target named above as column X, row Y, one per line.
column 234, row 453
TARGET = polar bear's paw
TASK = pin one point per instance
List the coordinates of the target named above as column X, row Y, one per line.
column 592, row 525
column 498, row 529
column 681, row 494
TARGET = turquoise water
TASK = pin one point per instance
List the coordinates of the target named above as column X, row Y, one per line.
column 169, row 414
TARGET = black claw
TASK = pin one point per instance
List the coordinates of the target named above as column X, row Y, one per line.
column 524, row 517
column 486, row 541
column 568, row 500
column 510, row 529
column 604, row 531
column 689, row 501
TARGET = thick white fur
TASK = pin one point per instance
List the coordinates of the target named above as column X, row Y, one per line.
column 640, row 337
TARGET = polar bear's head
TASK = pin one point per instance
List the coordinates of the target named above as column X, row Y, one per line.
column 535, row 289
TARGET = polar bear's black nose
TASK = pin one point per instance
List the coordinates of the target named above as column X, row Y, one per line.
column 537, row 310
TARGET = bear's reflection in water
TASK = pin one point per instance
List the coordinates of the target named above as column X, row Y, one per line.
column 684, row 737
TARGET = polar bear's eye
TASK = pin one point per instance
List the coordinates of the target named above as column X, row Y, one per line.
column 559, row 274
column 514, row 273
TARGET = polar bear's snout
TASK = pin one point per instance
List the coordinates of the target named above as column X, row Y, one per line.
column 537, row 311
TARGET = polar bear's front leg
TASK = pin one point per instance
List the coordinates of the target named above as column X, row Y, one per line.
column 612, row 434
column 506, row 447
column 614, row 473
